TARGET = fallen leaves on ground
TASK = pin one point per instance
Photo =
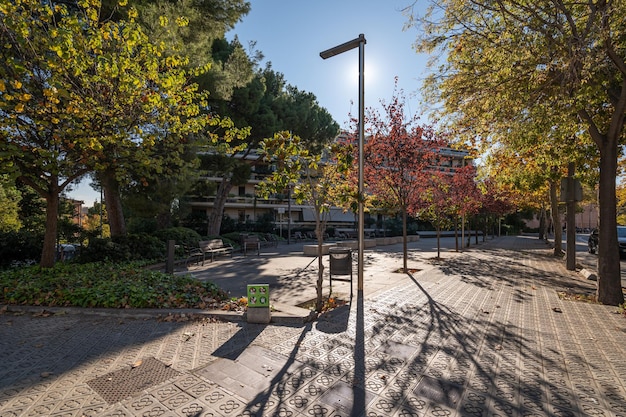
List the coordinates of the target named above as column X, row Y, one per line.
column 183, row 318
column 588, row 298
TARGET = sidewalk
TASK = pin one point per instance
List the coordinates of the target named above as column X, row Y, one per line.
column 481, row 333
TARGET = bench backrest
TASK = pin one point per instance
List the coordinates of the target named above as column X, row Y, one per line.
column 211, row 244
column 251, row 239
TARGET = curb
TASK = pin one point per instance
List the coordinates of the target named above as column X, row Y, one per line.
column 284, row 314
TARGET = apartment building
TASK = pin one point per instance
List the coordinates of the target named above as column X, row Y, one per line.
column 243, row 205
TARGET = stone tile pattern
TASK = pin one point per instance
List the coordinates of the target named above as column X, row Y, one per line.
column 474, row 335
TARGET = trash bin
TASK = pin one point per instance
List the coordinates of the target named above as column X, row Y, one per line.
column 340, row 264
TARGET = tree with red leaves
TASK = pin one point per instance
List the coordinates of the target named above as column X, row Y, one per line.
column 435, row 202
column 465, row 195
column 398, row 155
column 496, row 200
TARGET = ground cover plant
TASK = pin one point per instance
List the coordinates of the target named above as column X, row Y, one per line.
column 110, row 285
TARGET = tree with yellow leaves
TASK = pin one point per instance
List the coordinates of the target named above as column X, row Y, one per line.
column 79, row 94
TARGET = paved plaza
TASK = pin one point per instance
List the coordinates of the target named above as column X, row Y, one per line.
column 482, row 332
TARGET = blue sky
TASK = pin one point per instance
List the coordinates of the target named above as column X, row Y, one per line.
column 292, row 33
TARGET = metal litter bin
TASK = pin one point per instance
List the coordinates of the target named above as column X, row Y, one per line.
column 340, row 264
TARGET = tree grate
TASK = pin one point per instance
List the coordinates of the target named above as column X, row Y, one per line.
column 118, row 385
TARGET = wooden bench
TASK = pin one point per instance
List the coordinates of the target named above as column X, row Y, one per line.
column 193, row 254
column 215, row 247
column 269, row 240
column 251, row 242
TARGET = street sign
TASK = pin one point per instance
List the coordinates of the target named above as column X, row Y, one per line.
column 575, row 187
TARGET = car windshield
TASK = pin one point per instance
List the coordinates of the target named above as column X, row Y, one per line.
column 621, row 232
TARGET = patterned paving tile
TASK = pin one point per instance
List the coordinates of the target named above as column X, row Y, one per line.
column 461, row 339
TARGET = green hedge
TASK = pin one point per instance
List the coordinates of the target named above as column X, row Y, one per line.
column 123, row 248
column 103, row 284
column 20, row 247
column 179, row 234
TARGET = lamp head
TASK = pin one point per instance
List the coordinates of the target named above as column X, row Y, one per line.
column 339, row 49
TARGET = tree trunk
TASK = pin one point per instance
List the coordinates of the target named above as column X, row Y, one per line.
column 319, row 301
column 543, row 224
column 216, row 215
column 558, row 230
column 50, row 238
column 438, row 241
column 485, row 228
column 113, row 203
column 463, row 230
column 570, row 251
column 456, row 234
column 476, row 231
column 404, row 241
column 609, row 277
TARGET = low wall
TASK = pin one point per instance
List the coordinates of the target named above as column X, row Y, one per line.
column 311, row 250
column 354, row 244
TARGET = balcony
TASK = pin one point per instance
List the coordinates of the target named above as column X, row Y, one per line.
column 244, row 202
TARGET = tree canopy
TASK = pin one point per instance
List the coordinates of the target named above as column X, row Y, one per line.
column 399, row 154
column 316, row 179
column 553, row 68
column 78, row 94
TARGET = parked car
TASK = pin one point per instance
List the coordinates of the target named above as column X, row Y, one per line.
column 621, row 240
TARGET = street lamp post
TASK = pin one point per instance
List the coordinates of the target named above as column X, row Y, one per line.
column 339, row 49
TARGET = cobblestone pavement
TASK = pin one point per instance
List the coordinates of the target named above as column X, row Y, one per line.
column 480, row 333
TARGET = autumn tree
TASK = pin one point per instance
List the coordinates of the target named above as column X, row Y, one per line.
column 96, row 222
column 465, row 196
column 435, row 203
column 78, row 95
column 523, row 174
column 205, row 22
column 561, row 60
column 9, row 206
column 315, row 180
column 497, row 199
column 621, row 201
column 193, row 31
column 398, row 154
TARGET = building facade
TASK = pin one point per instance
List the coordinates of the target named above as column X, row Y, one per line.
column 243, row 205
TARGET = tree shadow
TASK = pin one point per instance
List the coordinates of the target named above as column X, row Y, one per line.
column 334, row 321
column 264, row 402
column 476, row 271
column 447, row 352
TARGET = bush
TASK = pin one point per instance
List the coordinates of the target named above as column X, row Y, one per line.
column 265, row 223
column 124, row 248
column 232, row 237
column 229, row 225
column 105, row 285
column 141, row 225
column 20, row 247
column 196, row 221
column 179, row 234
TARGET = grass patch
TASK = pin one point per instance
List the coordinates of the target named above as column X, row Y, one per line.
column 107, row 285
